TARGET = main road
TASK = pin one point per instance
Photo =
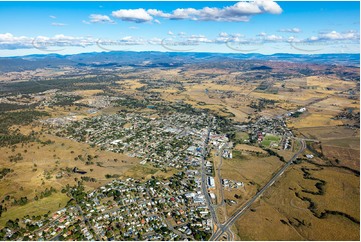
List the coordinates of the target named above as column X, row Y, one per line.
column 222, row 229
column 204, row 180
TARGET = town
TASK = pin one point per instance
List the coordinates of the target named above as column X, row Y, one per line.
column 177, row 208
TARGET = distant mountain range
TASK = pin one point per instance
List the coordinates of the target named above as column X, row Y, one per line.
column 161, row 59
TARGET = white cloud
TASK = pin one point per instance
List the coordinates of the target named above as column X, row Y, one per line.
column 52, row 16
column 269, row 6
column 98, row 18
column 158, row 13
column 293, row 30
column 222, row 40
column 170, row 32
column 350, row 35
column 9, row 41
column 273, row 37
column 133, row 27
column 155, row 41
column 133, row 15
column 293, row 39
column 199, row 39
column 225, row 37
column 130, row 40
column 313, row 38
column 156, row 21
column 239, row 12
column 58, row 24
column 106, row 44
column 334, row 35
column 236, row 35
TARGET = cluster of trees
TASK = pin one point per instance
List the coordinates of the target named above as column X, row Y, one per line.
column 8, row 119
column 14, row 138
column 4, row 107
column 88, row 179
column 225, row 126
column 46, row 193
column 25, row 117
column 273, row 153
column 132, row 103
column 201, row 235
column 64, row 84
column 108, row 176
column 62, row 100
column 47, row 142
column 16, row 158
column 22, row 201
column 261, row 104
column 13, row 224
column 2, row 209
column 78, row 192
column 5, row 171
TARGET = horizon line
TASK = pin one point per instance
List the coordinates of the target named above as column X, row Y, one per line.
column 209, row 52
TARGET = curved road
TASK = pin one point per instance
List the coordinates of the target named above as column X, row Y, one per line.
column 243, row 209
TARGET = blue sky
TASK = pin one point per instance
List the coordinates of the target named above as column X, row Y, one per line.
column 237, row 27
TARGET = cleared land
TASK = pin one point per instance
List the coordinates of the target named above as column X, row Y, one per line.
column 252, row 170
column 290, row 217
column 35, row 208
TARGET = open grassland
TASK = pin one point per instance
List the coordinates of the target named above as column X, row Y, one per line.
column 288, row 154
column 253, row 171
column 218, row 109
column 264, row 223
column 344, row 156
column 130, row 84
column 339, row 185
column 165, row 91
column 250, row 148
column 351, row 142
column 327, row 133
column 334, row 104
column 35, row 208
column 147, row 171
column 293, row 83
column 87, row 93
column 298, row 98
column 250, row 168
column 40, row 168
column 331, row 83
column 314, row 119
column 50, row 164
column 241, row 113
column 286, row 208
column 242, row 136
column 339, row 144
column 235, row 107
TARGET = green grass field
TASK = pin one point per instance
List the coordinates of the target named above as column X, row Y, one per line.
column 242, row 136
column 269, row 139
column 40, row 207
